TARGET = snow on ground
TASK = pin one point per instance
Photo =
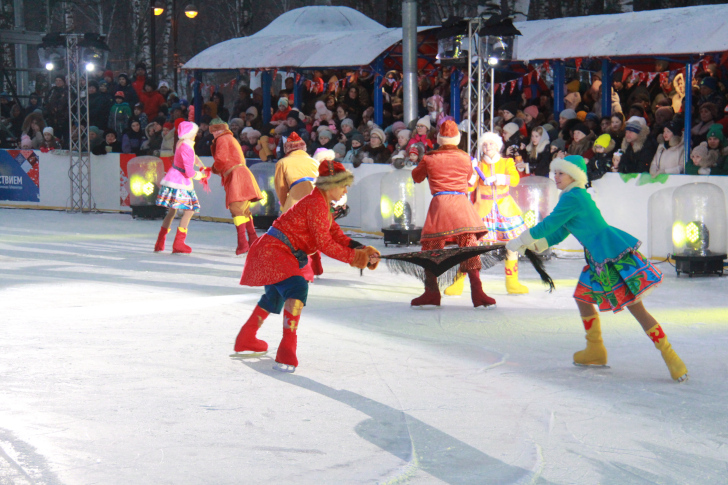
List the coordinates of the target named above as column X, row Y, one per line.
column 115, row 368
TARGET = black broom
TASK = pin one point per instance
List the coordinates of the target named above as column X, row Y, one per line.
column 444, row 263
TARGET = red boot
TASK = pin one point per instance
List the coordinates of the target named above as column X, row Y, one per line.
column 318, row 270
column 243, row 246
column 179, row 245
column 161, row 238
column 476, row 290
column 431, row 296
column 246, row 339
column 250, row 228
column 286, row 360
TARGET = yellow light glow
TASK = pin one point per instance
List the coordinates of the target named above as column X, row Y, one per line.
column 692, row 232
column 136, row 185
column 264, row 200
column 191, row 11
column 529, row 218
column 148, row 189
column 385, row 206
column 678, row 234
column 398, row 209
column 158, row 11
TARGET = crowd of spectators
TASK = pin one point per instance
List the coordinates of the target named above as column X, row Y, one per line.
column 643, row 134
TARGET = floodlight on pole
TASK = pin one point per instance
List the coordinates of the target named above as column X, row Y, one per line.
column 90, row 67
column 158, row 9
column 191, row 11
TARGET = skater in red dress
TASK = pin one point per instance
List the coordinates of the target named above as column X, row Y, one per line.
column 241, row 189
column 275, row 261
column 451, row 218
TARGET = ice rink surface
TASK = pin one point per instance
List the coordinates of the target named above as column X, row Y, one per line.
column 116, row 368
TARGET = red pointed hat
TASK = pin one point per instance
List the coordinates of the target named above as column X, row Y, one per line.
column 333, row 174
column 449, row 133
column 293, row 143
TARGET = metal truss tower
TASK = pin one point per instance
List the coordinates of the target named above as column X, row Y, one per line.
column 79, row 171
column 481, row 85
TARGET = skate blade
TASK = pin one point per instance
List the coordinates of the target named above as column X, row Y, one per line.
column 598, row 366
column 247, row 354
column 682, row 379
column 284, row 368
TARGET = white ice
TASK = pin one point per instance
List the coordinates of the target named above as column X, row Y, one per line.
column 115, row 368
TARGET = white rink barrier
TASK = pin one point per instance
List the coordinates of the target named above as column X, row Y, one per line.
column 639, row 206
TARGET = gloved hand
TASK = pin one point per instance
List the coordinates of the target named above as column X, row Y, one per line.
column 367, row 160
column 373, row 257
column 198, row 176
column 539, row 245
column 362, row 258
column 501, row 179
column 521, row 243
column 491, row 180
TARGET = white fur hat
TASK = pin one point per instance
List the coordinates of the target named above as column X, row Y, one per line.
column 425, row 122
column 574, row 166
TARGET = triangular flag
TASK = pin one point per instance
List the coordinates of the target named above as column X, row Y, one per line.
column 651, row 77
column 577, row 62
column 626, row 74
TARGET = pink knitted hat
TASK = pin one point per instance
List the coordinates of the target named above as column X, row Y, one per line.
column 187, row 130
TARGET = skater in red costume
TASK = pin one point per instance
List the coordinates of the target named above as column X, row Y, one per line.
column 176, row 191
column 451, row 218
column 241, row 189
column 275, row 261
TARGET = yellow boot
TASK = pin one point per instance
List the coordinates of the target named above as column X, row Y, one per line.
column 456, row 288
column 675, row 365
column 595, row 353
column 512, row 284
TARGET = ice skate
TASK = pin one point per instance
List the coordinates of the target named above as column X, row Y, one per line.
column 246, row 341
column 595, row 353
column 179, row 246
column 243, row 246
column 431, row 296
column 456, row 288
column 513, row 286
column 250, row 229
column 161, row 239
column 477, row 295
column 674, row 363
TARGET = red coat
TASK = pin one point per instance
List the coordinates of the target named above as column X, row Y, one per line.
column 239, row 182
column 152, row 101
column 310, row 227
column 448, row 169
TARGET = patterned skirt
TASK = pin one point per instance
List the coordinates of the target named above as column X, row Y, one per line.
column 617, row 284
column 501, row 228
column 178, row 199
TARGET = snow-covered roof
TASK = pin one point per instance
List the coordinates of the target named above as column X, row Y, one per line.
column 307, row 37
column 674, row 31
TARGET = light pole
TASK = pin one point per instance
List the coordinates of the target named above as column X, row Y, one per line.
column 191, row 12
column 155, row 9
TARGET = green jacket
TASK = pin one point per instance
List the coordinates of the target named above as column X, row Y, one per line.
column 577, row 214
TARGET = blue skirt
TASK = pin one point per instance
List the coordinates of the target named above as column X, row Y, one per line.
column 178, row 199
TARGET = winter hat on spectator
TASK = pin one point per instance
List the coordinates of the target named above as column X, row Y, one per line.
column 663, row 115
column 252, row 111
column 283, row 101
column 405, row 132
column 559, row 144
column 25, row 141
column 358, row 138
column 592, row 117
column 531, row 111
column 119, row 94
column 603, row 141
column 581, row 127
column 510, row 129
column 398, row 126
column 108, row 73
column 568, row 114
column 716, row 131
column 574, row 166
column 708, row 158
column 635, row 124
column 449, row 133
column 573, row 86
column 414, row 149
column 709, row 82
column 187, row 130
column 236, row 121
column 295, row 114
column 325, row 133
column 246, row 130
column 347, row 122
column 340, row 149
column 581, row 115
column 676, row 126
column 93, row 83
column 511, row 107
column 162, row 84
column 322, row 154
column 425, row 122
column 168, row 125
column 139, row 105
column 332, row 175
column 378, row 133
column 48, row 129
column 293, row 143
column 253, row 134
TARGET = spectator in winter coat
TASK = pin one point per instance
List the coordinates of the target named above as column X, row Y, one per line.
column 153, row 143
column 637, row 147
column 50, row 142
column 222, row 111
column 357, row 141
column 168, row 132
column 582, row 141
column 110, row 144
column 139, row 114
column 119, row 114
column 33, row 126
column 204, row 139
column 95, row 137
column 708, row 113
column 56, row 106
column 151, row 100
column 279, row 117
column 400, row 147
column 34, row 103
column 140, row 79
column 133, row 138
column 601, row 163
column 374, row 151
column 422, row 129
column 293, row 124
column 670, row 155
column 243, row 103
column 99, row 105
column 347, row 132
column 123, row 85
column 537, row 154
column 710, row 93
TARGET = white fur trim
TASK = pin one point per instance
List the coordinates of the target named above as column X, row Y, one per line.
column 336, row 180
column 447, row 140
column 571, row 170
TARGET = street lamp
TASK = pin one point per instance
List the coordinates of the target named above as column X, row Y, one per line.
column 158, row 9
